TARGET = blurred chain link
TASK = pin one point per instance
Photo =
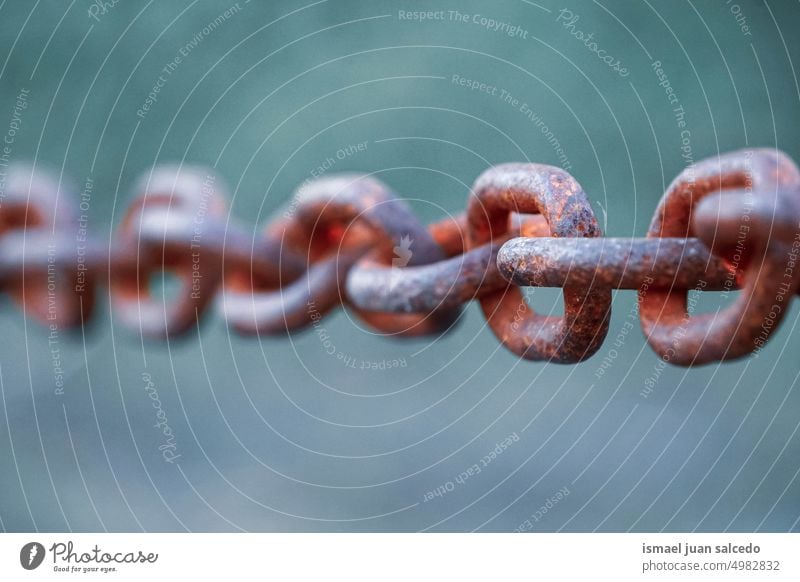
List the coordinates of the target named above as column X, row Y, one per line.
column 727, row 223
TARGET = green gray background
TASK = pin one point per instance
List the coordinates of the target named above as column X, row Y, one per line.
column 275, row 434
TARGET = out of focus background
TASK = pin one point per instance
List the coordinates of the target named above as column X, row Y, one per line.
column 277, row 434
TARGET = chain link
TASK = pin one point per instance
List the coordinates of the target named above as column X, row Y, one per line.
column 727, row 223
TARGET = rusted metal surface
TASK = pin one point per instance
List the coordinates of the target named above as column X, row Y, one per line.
column 35, row 208
column 168, row 198
column 727, row 223
column 615, row 263
column 336, row 221
column 764, row 266
column 446, row 284
column 551, row 192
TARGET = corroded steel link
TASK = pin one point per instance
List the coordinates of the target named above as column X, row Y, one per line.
column 615, row 263
column 765, row 266
column 729, row 222
column 169, row 198
column 553, row 193
column 336, row 221
column 331, row 208
column 36, row 205
column 448, row 283
column 296, row 304
column 324, row 252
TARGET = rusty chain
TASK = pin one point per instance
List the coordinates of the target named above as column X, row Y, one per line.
column 726, row 223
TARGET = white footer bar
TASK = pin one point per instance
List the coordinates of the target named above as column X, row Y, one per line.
column 401, row 557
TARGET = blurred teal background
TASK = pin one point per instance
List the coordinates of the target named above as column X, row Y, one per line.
column 275, row 434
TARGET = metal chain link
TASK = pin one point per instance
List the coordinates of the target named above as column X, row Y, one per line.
column 729, row 222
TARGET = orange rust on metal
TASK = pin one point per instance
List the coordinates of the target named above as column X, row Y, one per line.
column 169, row 197
column 616, row 263
column 465, row 275
column 728, row 222
column 36, row 209
column 770, row 183
column 553, row 193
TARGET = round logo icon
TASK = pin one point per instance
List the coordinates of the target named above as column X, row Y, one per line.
column 31, row 555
